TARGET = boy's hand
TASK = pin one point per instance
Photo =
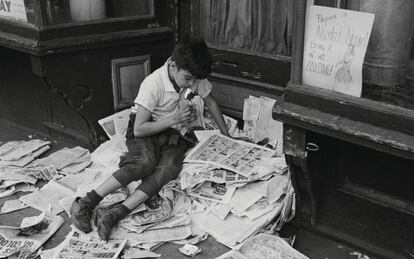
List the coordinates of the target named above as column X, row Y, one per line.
column 183, row 114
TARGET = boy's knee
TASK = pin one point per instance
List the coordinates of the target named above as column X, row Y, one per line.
column 135, row 171
column 173, row 159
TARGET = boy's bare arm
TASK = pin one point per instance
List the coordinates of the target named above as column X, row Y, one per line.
column 216, row 113
column 144, row 127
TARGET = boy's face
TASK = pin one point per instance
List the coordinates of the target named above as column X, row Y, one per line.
column 183, row 78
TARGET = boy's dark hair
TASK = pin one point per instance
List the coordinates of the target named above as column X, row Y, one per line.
column 192, row 54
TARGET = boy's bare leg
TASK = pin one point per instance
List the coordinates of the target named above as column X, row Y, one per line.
column 110, row 185
column 135, row 199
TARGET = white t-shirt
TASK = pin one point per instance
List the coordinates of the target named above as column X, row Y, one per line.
column 157, row 93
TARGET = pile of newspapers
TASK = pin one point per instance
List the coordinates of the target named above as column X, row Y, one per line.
column 228, row 188
column 21, row 165
column 241, row 186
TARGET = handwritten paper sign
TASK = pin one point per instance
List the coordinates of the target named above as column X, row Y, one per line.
column 13, row 9
column 335, row 44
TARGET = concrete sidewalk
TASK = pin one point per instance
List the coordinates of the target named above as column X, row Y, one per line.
column 308, row 243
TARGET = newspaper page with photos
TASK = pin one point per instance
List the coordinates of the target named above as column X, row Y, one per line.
column 81, row 246
column 15, row 240
column 217, row 192
column 235, row 155
column 215, row 175
column 157, row 209
column 116, row 124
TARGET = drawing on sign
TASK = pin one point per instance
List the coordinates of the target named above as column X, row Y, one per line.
column 335, row 44
column 343, row 74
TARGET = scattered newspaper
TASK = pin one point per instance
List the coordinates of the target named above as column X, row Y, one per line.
column 4, row 184
column 258, row 209
column 79, row 246
column 158, row 209
column 22, row 149
column 251, row 111
column 116, row 124
column 153, row 236
column 215, row 175
column 12, row 205
column 135, row 253
column 221, row 210
column 79, row 165
column 15, row 174
column 217, row 192
column 108, row 154
column 27, row 159
column 47, row 198
column 12, row 240
column 8, row 191
column 267, row 127
column 9, row 147
column 212, row 174
column 15, row 188
column 25, row 222
column 259, row 124
column 264, row 246
column 62, row 157
column 87, row 176
column 288, row 208
column 195, row 168
column 40, row 172
column 233, row 230
column 245, row 197
column 193, row 174
column 235, row 155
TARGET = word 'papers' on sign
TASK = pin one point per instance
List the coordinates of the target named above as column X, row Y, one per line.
column 14, row 9
column 335, row 44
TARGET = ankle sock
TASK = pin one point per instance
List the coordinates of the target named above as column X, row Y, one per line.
column 124, row 211
column 94, row 197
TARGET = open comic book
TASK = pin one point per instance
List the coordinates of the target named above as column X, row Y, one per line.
column 235, row 155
